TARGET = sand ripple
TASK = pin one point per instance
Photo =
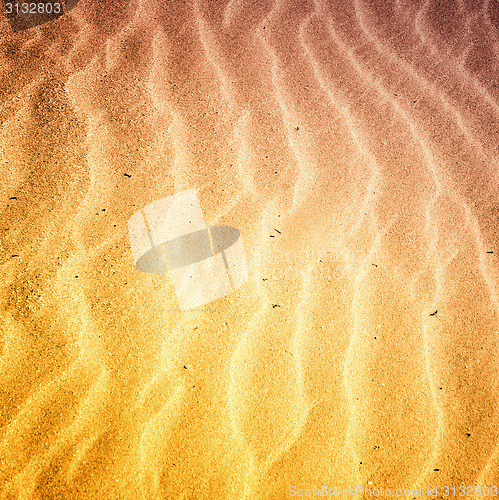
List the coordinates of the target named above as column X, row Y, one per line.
column 355, row 145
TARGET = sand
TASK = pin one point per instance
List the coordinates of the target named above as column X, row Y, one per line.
column 355, row 146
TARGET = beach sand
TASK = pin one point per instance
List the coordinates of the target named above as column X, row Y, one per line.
column 355, row 146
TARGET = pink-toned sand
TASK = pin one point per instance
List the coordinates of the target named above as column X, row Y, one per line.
column 363, row 349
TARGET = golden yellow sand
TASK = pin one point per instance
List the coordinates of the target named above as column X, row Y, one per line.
column 363, row 349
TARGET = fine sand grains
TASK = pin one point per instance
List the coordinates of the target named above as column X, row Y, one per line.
column 354, row 144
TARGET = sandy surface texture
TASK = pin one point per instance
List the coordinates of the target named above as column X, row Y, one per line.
column 355, row 145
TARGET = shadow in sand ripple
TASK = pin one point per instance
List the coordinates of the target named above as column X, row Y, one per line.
column 354, row 145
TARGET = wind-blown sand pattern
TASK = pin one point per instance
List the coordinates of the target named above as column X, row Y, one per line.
column 355, row 145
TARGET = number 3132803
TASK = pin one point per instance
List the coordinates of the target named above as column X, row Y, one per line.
column 33, row 8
